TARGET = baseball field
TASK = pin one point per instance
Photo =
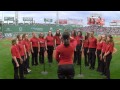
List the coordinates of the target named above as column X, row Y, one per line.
column 6, row 67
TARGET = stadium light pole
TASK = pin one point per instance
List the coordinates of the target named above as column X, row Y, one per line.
column 57, row 14
column 16, row 17
column 2, row 22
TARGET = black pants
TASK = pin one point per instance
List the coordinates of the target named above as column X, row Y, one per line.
column 35, row 56
column 66, row 71
column 99, row 61
column 28, row 60
column 18, row 71
column 107, row 65
column 92, row 57
column 86, row 56
column 50, row 53
column 24, row 64
column 41, row 55
column 102, row 65
column 57, row 45
column 77, row 55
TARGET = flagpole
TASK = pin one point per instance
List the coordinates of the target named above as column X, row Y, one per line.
column 57, row 17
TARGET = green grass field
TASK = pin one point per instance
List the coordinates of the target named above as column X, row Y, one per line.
column 6, row 67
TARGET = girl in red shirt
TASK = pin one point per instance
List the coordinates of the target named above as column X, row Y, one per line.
column 98, row 50
column 50, row 46
column 108, row 55
column 85, row 45
column 22, row 50
column 79, row 46
column 57, row 38
column 73, row 35
column 64, row 53
column 42, row 48
column 92, row 49
column 17, row 60
column 102, row 63
column 34, row 41
column 27, row 46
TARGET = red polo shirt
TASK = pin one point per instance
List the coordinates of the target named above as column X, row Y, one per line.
column 103, row 47
column 92, row 42
column 79, row 40
column 34, row 41
column 50, row 40
column 15, row 52
column 27, row 45
column 86, row 43
column 20, row 47
column 109, row 48
column 42, row 42
column 58, row 39
column 64, row 54
column 99, row 45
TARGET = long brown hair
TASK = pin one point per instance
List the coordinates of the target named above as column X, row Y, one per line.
column 41, row 36
column 74, row 33
column 56, row 34
column 51, row 33
column 18, row 37
column 111, row 40
column 14, row 41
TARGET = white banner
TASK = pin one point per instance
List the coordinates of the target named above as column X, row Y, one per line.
column 75, row 21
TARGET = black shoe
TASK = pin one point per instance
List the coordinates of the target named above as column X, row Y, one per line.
column 102, row 74
column 26, row 72
column 33, row 64
column 36, row 64
column 90, row 67
column 24, row 78
column 78, row 64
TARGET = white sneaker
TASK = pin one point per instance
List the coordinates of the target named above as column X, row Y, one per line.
column 28, row 70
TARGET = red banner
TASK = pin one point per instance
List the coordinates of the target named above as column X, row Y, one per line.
column 62, row 21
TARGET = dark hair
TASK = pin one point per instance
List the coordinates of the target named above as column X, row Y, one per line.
column 23, row 36
column 111, row 39
column 14, row 41
column 66, row 37
column 18, row 36
column 92, row 32
column 40, row 36
column 51, row 33
column 74, row 34
column 80, row 33
column 57, row 34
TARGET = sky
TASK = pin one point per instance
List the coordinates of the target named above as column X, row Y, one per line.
column 39, row 16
